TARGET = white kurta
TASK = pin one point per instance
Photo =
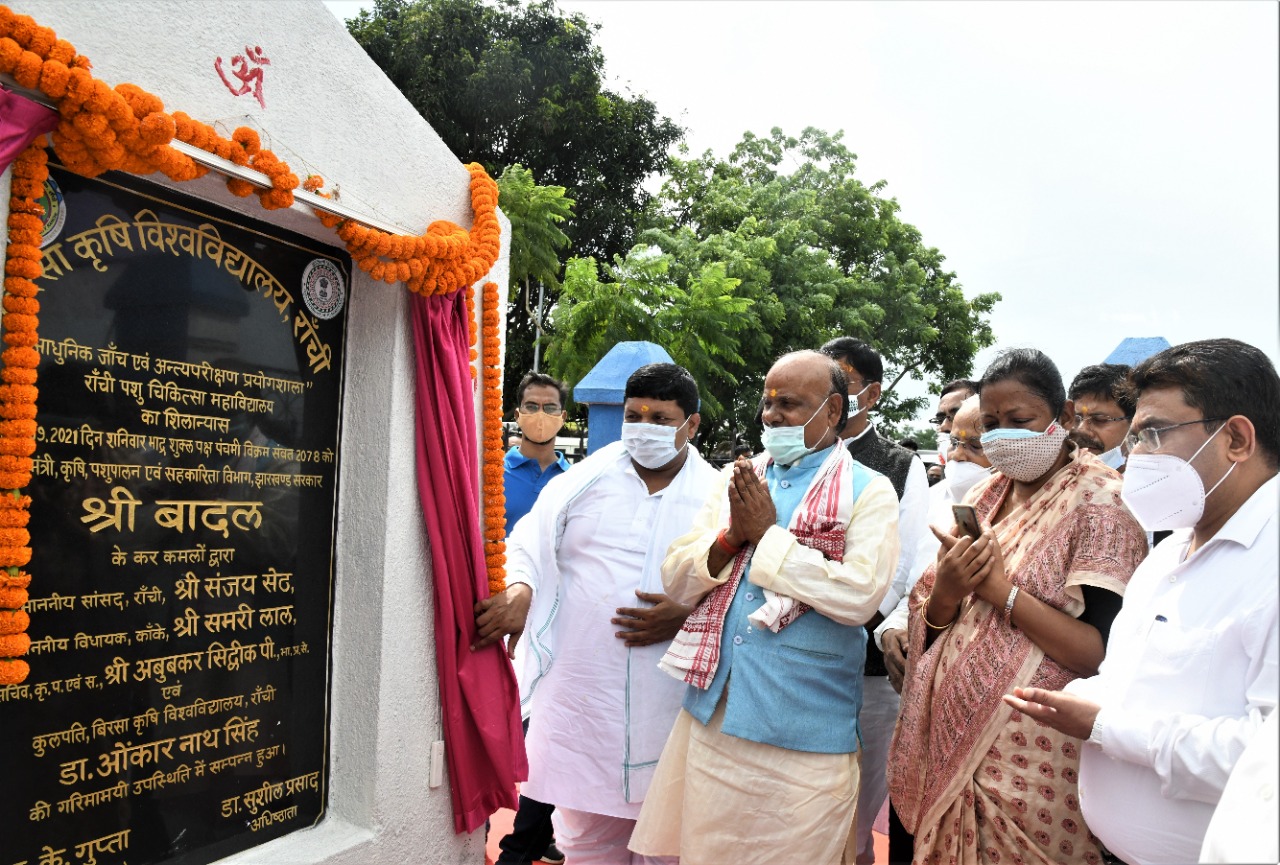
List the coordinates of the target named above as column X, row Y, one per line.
column 599, row 713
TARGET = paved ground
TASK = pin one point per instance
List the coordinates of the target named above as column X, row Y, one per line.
column 500, row 824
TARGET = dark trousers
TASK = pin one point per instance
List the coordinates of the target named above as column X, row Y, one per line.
column 531, row 832
column 902, row 845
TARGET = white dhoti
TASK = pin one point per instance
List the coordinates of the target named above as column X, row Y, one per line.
column 716, row 798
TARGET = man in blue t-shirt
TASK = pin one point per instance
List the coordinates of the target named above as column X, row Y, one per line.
column 527, row 469
column 530, row 465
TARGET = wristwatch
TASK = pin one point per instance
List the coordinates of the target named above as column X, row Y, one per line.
column 1095, row 735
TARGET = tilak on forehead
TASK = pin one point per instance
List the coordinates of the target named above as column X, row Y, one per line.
column 644, row 408
column 773, row 392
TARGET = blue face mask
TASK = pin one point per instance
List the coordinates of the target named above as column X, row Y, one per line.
column 786, row 443
column 1113, row 458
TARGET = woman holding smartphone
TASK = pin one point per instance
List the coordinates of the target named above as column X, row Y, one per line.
column 1029, row 602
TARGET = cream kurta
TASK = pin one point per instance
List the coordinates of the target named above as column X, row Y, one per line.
column 717, row 798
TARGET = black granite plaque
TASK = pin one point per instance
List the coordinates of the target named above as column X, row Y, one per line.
column 182, row 525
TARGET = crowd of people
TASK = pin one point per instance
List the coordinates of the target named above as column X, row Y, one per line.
column 1063, row 651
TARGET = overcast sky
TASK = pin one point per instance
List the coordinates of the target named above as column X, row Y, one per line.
column 1110, row 168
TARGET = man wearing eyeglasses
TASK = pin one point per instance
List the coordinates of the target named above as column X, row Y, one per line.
column 1190, row 673
column 531, row 464
column 953, row 393
column 1103, row 411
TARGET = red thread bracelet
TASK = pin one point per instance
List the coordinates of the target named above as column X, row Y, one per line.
column 724, row 544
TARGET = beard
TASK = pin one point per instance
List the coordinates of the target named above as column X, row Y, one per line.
column 1086, row 441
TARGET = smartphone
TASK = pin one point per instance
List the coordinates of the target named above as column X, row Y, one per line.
column 967, row 520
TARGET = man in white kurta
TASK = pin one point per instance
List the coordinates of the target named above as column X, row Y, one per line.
column 590, row 551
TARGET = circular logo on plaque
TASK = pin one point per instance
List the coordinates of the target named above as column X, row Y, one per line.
column 55, row 213
column 323, row 288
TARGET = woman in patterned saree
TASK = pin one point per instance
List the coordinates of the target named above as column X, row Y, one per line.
column 1030, row 602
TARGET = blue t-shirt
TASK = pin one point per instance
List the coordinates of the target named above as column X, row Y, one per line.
column 523, row 480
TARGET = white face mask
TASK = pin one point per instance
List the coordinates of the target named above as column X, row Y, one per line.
column 652, row 445
column 1113, row 458
column 786, row 443
column 1024, row 454
column 961, row 475
column 1163, row 491
column 853, row 403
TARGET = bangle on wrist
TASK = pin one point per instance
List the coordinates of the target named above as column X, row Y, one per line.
column 723, row 543
column 1008, row 604
column 924, row 614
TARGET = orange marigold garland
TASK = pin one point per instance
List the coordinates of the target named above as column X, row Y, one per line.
column 18, row 404
column 125, row 128
column 493, row 499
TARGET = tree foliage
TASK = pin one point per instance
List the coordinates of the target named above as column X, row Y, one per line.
column 696, row 317
column 536, row 214
column 505, row 83
column 818, row 254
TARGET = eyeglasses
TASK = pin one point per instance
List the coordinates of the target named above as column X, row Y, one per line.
column 940, row 418
column 973, row 446
column 1150, row 438
column 1098, row 419
column 551, row 408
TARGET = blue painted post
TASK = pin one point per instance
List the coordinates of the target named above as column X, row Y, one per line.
column 601, row 389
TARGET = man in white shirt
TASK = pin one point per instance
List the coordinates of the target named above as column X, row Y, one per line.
column 1191, row 671
column 592, row 543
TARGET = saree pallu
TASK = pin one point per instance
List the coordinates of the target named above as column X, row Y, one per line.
column 974, row 780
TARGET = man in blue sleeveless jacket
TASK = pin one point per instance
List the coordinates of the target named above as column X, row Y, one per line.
column 791, row 554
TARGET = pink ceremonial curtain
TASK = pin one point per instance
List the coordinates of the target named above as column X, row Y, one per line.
column 478, row 693
column 21, row 120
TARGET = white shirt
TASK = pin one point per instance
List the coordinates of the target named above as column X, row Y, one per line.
column 1246, row 824
column 1190, row 674
column 938, row 502
column 577, row 732
column 913, row 509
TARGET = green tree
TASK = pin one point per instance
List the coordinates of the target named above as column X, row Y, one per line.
column 819, row 254
column 536, row 214
column 505, row 83
column 698, row 318
column 926, row 437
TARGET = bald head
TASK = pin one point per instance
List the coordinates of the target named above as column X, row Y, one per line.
column 967, row 429
column 808, row 389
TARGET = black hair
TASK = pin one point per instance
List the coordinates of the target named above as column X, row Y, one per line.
column 965, row 384
column 664, row 381
column 1030, row 367
column 741, row 450
column 1107, row 379
column 910, row 444
column 537, row 379
column 858, row 354
column 1221, row 378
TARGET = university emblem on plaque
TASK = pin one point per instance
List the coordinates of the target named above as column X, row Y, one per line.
column 55, row 212
column 323, row 288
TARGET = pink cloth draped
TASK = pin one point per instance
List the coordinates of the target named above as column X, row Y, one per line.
column 478, row 694
column 21, row 120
